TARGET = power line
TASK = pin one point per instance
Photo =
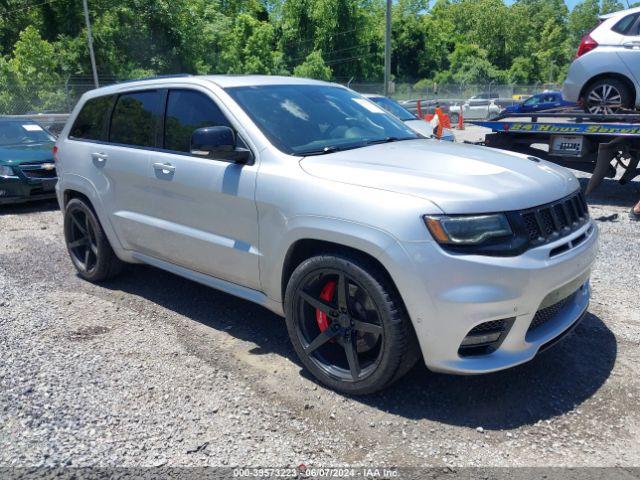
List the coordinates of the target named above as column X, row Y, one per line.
column 346, row 49
column 345, row 60
column 309, row 40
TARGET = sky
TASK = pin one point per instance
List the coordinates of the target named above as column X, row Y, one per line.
column 573, row 3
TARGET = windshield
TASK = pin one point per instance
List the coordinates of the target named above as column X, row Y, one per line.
column 532, row 101
column 316, row 119
column 394, row 108
column 22, row 133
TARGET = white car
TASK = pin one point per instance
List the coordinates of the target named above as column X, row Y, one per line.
column 377, row 245
column 410, row 120
column 474, row 109
column 605, row 76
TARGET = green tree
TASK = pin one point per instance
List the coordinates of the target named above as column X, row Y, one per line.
column 313, row 67
column 29, row 79
column 583, row 18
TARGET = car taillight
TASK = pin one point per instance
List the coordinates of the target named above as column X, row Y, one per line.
column 55, row 153
column 586, row 45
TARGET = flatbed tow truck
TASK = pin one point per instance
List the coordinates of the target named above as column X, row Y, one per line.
column 596, row 144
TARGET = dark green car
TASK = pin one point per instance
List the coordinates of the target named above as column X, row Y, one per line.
column 27, row 168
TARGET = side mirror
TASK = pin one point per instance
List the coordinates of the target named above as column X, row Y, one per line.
column 218, row 143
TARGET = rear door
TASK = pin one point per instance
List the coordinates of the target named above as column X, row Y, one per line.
column 203, row 210
column 107, row 150
column 123, row 163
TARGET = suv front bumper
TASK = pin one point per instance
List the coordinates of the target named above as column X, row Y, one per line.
column 447, row 295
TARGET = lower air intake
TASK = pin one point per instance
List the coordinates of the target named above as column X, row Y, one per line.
column 485, row 338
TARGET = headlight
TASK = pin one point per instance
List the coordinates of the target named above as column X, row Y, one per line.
column 6, row 171
column 467, row 230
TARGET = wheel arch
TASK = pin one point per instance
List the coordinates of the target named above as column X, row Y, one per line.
column 305, row 248
column 76, row 191
column 69, row 194
column 618, row 76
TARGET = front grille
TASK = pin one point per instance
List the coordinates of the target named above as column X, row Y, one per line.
column 36, row 170
column 549, row 222
column 548, row 314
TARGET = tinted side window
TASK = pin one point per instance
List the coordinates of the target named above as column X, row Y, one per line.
column 137, row 118
column 188, row 110
column 625, row 24
column 92, row 120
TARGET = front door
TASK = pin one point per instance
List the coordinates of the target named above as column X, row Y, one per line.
column 203, row 209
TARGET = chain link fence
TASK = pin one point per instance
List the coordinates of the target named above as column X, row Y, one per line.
column 433, row 91
column 48, row 100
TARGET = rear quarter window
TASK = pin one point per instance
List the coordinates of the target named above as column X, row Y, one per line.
column 623, row 26
column 91, row 123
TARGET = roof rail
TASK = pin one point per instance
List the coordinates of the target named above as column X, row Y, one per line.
column 157, row 77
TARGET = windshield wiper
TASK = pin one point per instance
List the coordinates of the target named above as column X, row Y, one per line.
column 382, row 140
column 389, row 140
column 336, row 148
column 330, row 149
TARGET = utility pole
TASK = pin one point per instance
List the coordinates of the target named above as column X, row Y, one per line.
column 387, row 50
column 90, row 42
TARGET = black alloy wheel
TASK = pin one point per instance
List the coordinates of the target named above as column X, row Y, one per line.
column 349, row 345
column 82, row 243
column 87, row 244
column 348, row 325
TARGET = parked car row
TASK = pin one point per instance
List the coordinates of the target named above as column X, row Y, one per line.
column 481, row 107
column 412, row 121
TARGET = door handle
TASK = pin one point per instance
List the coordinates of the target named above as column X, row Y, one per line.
column 165, row 168
column 99, row 158
column 631, row 45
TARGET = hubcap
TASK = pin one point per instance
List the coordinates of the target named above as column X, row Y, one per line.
column 82, row 241
column 604, row 99
column 342, row 333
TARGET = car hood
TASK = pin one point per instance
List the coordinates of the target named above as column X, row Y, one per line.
column 458, row 178
column 33, row 153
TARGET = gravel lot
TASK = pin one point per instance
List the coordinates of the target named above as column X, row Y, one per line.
column 152, row 369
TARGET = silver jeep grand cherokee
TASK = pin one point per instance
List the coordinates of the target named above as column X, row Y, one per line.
column 377, row 245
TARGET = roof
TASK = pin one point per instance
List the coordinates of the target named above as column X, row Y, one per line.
column 619, row 13
column 223, row 81
column 226, row 81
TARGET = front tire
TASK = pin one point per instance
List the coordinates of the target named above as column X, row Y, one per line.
column 607, row 96
column 348, row 325
column 87, row 243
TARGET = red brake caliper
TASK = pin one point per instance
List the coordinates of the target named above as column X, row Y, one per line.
column 327, row 295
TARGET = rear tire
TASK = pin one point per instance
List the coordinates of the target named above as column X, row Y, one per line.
column 607, row 96
column 365, row 341
column 87, row 244
column 454, row 118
